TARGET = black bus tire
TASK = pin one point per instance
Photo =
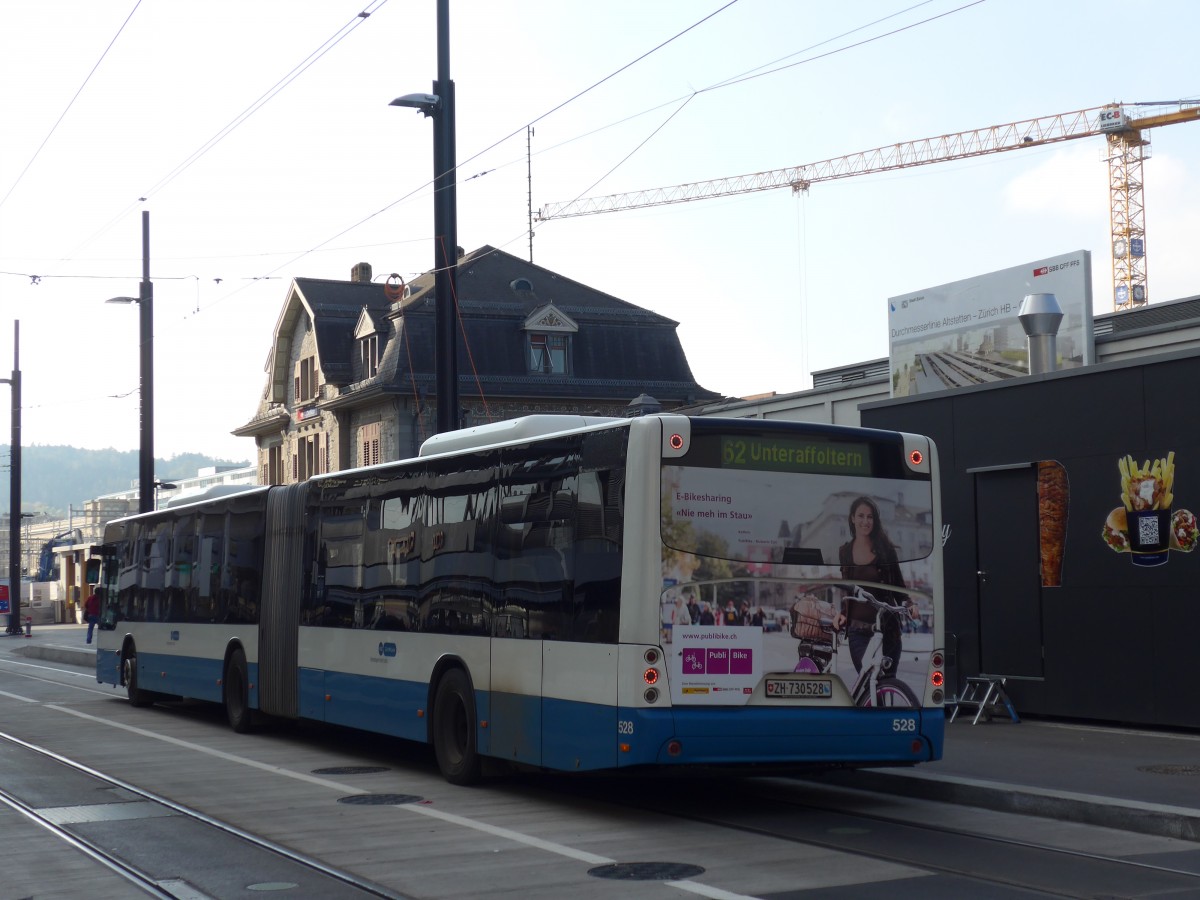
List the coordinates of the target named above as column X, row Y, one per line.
column 237, row 693
column 137, row 697
column 454, row 735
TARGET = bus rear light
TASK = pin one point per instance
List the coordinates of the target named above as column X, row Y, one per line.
column 916, row 457
column 937, row 679
column 650, row 676
column 651, row 695
column 676, row 441
column 674, row 748
column 938, row 697
column 937, row 659
column 651, row 656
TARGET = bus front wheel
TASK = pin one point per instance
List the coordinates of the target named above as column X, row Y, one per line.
column 237, row 693
column 454, row 736
column 129, row 668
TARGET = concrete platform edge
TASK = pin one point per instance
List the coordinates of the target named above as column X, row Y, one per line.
column 1106, row 812
column 84, row 657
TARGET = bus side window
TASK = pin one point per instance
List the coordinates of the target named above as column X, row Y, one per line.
column 597, row 599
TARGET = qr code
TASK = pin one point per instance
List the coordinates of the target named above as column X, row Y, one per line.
column 1148, row 530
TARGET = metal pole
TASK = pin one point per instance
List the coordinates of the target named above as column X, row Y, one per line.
column 445, row 224
column 146, row 330
column 14, row 493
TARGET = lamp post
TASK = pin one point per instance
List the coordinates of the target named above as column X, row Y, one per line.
column 440, row 107
column 145, row 302
column 14, row 491
column 162, row 486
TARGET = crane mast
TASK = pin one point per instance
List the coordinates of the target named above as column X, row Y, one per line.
column 1126, row 150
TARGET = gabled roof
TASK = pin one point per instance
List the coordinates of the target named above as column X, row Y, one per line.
column 334, row 309
column 618, row 350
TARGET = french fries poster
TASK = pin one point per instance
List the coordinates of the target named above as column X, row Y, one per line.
column 1146, row 524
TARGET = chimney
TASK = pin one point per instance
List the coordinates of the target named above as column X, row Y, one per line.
column 361, row 272
column 1040, row 316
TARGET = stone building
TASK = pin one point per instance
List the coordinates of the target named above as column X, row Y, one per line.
column 351, row 377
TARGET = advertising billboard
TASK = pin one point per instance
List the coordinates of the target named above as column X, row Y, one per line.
column 967, row 332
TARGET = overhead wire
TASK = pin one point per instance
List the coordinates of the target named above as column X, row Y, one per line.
column 750, row 75
column 70, row 103
column 299, row 69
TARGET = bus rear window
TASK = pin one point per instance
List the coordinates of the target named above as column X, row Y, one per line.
column 771, row 499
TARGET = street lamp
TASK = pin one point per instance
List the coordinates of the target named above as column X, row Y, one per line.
column 440, row 107
column 145, row 302
column 162, row 486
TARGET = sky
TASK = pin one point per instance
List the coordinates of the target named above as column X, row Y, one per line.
column 259, row 138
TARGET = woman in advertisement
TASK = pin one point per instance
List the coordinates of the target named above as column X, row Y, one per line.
column 869, row 555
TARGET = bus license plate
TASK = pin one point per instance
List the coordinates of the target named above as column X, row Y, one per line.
column 819, row 688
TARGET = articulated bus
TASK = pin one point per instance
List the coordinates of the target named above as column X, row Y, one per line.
column 564, row 593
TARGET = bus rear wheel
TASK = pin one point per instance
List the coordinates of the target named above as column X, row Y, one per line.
column 237, row 693
column 454, row 736
column 137, row 697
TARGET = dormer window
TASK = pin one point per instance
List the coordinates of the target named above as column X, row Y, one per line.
column 548, row 333
column 548, row 353
column 368, row 350
column 366, row 335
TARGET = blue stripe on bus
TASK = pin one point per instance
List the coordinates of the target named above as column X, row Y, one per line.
column 762, row 734
column 108, row 666
column 382, row 705
column 183, row 676
column 583, row 736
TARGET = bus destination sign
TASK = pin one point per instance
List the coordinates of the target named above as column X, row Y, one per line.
column 778, row 454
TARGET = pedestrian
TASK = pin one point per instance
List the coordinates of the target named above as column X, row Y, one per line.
column 91, row 611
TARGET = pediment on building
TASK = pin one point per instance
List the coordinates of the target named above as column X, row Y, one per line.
column 550, row 318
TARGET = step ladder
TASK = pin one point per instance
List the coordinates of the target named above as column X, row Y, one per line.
column 983, row 693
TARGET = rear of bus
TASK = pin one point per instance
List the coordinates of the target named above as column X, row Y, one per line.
column 740, row 619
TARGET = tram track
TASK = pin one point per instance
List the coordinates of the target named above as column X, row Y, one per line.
column 155, row 844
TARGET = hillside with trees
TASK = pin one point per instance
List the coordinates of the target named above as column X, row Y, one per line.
column 54, row 478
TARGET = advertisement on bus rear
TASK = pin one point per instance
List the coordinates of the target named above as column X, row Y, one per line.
column 790, row 580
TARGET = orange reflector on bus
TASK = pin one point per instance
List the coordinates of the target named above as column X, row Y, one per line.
column 674, row 748
column 917, row 746
column 625, row 748
column 650, row 676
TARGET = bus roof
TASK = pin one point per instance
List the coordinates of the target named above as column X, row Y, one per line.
column 524, row 428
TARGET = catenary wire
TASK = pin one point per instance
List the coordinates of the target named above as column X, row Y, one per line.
column 70, row 103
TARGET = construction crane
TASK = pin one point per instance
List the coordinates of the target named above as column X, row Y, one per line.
column 1126, row 150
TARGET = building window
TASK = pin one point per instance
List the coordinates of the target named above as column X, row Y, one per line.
column 368, row 349
column 307, row 378
column 311, row 456
column 274, row 467
column 368, row 442
column 548, row 353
